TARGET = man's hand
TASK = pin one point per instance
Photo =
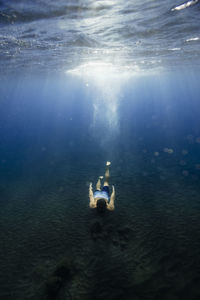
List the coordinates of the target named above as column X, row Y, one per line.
column 91, row 196
column 111, row 205
column 113, row 189
column 90, row 189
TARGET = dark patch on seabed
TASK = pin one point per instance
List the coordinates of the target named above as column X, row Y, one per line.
column 54, row 247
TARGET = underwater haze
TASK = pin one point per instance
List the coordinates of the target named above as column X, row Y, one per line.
column 82, row 83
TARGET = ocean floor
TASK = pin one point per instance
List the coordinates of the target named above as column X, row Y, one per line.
column 53, row 246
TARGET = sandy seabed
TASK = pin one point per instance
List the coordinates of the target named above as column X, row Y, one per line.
column 54, row 247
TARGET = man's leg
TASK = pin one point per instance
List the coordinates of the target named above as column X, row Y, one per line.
column 98, row 185
column 107, row 174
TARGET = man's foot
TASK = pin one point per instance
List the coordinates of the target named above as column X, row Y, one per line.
column 108, row 163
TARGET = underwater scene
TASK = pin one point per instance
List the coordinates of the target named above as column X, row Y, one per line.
column 82, row 84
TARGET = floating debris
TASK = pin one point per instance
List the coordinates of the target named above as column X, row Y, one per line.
column 184, row 152
column 168, row 150
column 185, row 5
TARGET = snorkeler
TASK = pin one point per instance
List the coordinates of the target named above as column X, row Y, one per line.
column 101, row 199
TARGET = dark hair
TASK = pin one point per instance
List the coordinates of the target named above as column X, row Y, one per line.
column 101, row 205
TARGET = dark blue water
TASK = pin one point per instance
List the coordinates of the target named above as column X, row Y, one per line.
column 82, row 83
column 56, row 135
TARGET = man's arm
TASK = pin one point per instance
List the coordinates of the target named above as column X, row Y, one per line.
column 92, row 202
column 111, row 205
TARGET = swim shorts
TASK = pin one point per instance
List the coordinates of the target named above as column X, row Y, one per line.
column 104, row 193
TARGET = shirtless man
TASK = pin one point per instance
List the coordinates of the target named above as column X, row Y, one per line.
column 100, row 199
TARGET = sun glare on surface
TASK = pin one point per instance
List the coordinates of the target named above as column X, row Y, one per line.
column 99, row 71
